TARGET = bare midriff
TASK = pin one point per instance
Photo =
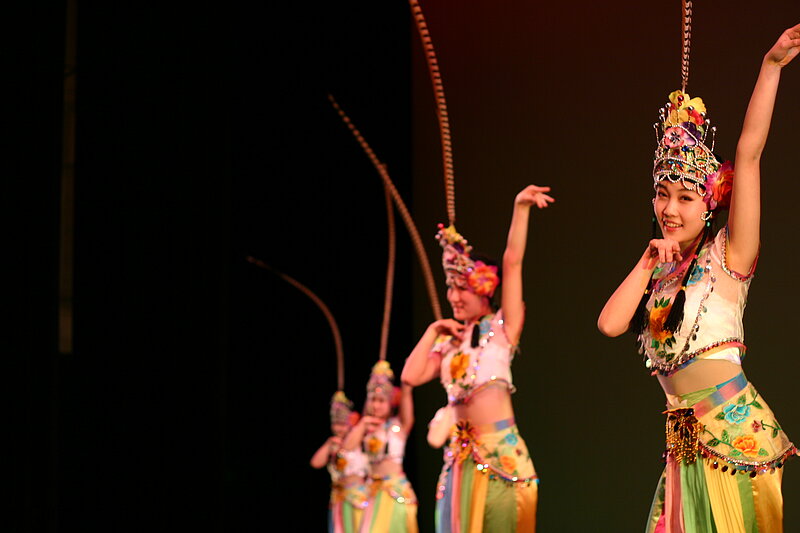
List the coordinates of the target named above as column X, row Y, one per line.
column 387, row 467
column 349, row 481
column 486, row 406
column 700, row 374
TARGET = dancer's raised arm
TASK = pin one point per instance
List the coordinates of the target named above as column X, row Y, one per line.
column 511, row 299
column 745, row 210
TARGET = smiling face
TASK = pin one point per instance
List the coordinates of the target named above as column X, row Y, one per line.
column 679, row 212
column 378, row 405
column 467, row 306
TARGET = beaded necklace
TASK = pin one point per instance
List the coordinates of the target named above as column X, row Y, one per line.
column 467, row 381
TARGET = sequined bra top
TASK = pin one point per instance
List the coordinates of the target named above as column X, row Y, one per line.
column 386, row 442
column 712, row 322
column 345, row 463
column 481, row 359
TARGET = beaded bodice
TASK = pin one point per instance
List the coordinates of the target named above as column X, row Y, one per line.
column 466, row 368
column 386, row 442
column 344, row 463
column 715, row 300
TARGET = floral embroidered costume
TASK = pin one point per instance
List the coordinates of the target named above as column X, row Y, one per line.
column 392, row 502
column 349, row 498
column 348, row 471
column 488, row 482
column 488, row 479
column 724, row 447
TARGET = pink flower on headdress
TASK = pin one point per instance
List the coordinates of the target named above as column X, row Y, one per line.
column 719, row 187
column 483, row 279
column 676, row 137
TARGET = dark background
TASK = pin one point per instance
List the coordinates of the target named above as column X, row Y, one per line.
column 199, row 384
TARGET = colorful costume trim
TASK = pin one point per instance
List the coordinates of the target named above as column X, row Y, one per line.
column 393, row 506
column 724, row 453
column 347, row 506
column 471, row 366
column 682, row 155
column 349, row 496
column 488, row 482
column 387, row 442
column 715, row 303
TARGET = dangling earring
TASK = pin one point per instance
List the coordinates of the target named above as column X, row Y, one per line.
column 654, row 223
column 706, row 216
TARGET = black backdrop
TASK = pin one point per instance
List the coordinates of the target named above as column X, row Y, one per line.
column 199, row 385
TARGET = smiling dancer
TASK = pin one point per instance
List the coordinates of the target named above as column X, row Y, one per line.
column 724, row 447
column 488, row 482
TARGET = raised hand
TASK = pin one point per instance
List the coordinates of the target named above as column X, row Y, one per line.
column 786, row 48
column 534, row 195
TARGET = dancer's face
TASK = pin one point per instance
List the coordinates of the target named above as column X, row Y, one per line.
column 679, row 213
column 467, row 306
column 378, row 405
column 340, row 429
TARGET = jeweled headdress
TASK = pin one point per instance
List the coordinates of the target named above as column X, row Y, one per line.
column 682, row 154
column 460, row 269
column 381, row 380
column 341, row 409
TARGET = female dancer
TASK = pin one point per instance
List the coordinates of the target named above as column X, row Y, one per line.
column 724, row 449
column 488, row 480
column 348, row 470
column 382, row 432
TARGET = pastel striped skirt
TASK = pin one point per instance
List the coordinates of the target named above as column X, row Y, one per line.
column 347, row 506
column 392, row 506
column 725, row 453
column 488, row 483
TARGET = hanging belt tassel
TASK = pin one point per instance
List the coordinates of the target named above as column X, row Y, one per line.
column 682, row 432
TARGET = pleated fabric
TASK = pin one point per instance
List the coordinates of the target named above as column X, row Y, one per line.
column 733, row 483
column 488, row 483
column 346, row 510
column 392, row 506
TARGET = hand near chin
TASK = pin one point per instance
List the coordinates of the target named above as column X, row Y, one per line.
column 665, row 250
column 448, row 326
